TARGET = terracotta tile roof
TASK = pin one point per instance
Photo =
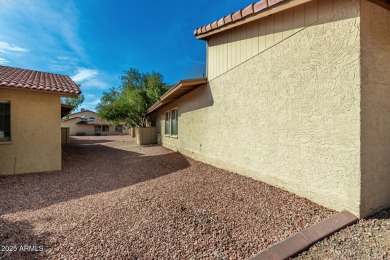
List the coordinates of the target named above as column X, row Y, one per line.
column 37, row 80
column 241, row 14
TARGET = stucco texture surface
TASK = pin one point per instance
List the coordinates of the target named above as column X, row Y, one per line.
column 289, row 116
column 35, row 133
column 375, row 104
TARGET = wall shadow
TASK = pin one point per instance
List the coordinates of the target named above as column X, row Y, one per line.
column 16, row 235
column 199, row 98
column 87, row 170
column 89, row 141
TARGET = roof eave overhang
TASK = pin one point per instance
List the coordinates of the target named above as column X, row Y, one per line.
column 272, row 10
column 180, row 89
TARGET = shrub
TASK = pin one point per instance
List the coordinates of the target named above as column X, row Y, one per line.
column 98, row 134
column 81, row 133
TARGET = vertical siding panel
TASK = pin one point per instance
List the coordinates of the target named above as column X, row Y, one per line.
column 288, row 23
column 207, row 59
column 255, row 34
column 229, row 49
column 248, row 41
column 299, row 18
column 278, row 28
column 243, row 42
column 214, row 55
column 225, row 52
column 234, row 47
column 253, row 30
column 262, row 34
column 269, row 39
column 220, row 54
column 340, row 4
column 311, row 9
column 210, row 58
column 325, row 8
column 237, row 49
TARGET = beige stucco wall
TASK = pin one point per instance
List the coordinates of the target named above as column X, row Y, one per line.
column 375, row 105
column 289, row 116
column 75, row 128
column 35, row 133
column 146, row 135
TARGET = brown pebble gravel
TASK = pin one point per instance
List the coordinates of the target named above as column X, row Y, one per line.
column 367, row 239
column 114, row 200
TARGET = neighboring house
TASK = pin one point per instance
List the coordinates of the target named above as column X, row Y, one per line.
column 87, row 122
column 30, row 119
column 297, row 95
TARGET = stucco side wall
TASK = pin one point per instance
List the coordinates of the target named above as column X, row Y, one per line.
column 35, row 133
column 375, row 103
column 75, row 128
column 289, row 116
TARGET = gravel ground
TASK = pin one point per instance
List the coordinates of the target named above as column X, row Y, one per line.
column 116, row 200
column 367, row 239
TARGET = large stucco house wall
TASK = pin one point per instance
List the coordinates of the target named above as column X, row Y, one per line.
column 35, row 132
column 298, row 107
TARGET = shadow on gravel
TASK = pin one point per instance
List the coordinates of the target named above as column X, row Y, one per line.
column 19, row 241
column 87, row 170
column 383, row 214
column 89, row 141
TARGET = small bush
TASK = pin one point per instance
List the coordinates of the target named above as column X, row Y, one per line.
column 81, row 133
column 98, row 134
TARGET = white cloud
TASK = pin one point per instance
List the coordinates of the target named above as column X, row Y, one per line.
column 83, row 74
column 88, row 78
column 3, row 61
column 5, row 46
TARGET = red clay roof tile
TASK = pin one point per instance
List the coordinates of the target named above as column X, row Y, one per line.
column 237, row 15
column 257, row 7
column 37, row 80
column 208, row 27
column 274, row 2
column 228, row 18
column 220, row 22
column 247, row 10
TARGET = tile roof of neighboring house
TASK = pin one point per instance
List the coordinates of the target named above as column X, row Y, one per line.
column 82, row 111
column 37, row 80
column 252, row 9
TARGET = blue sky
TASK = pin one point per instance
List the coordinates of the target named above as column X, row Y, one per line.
column 95, row 41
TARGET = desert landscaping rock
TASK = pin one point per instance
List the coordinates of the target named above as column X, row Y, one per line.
column 367, row 239
column 114, row 199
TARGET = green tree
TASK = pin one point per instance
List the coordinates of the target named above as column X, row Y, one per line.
column 129, row 102
column 75, row 102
